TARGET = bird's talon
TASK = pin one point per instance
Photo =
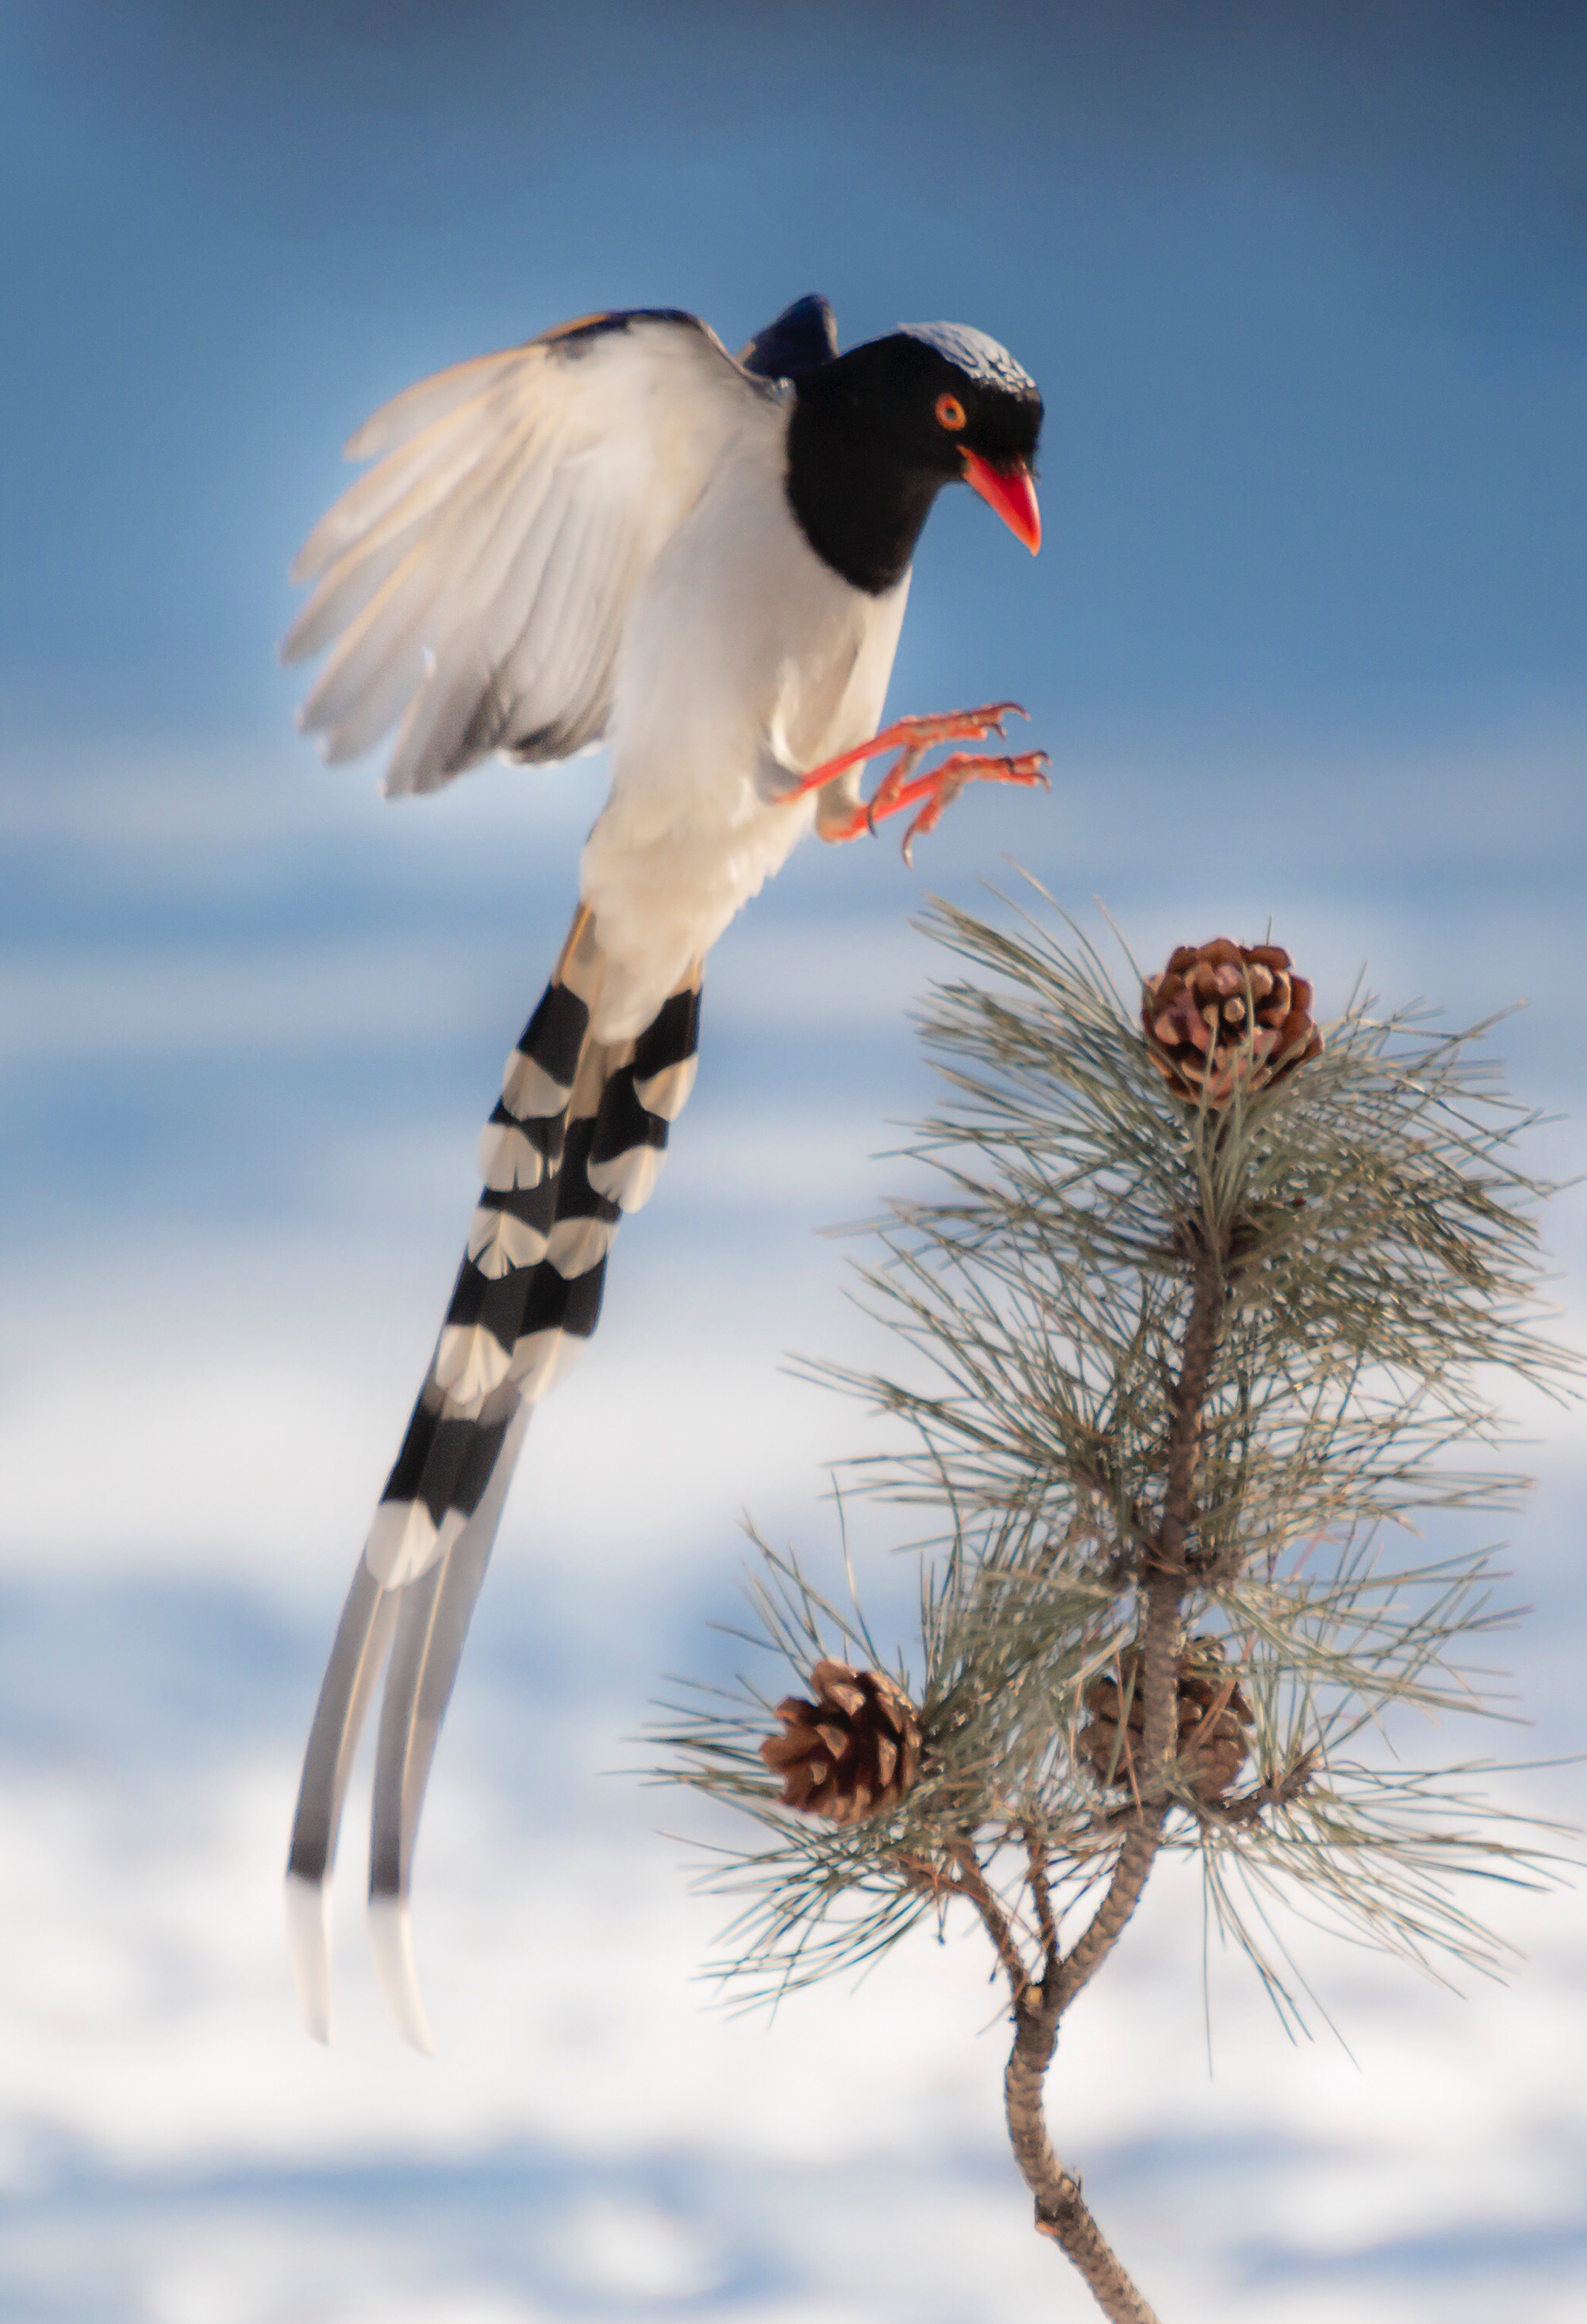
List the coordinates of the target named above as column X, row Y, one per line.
column 935, row 792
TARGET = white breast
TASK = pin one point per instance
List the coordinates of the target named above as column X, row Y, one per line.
column 745, row 661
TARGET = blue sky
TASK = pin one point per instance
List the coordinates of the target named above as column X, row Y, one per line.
column 1306, row 289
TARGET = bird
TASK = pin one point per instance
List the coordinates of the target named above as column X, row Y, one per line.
column 614, row 533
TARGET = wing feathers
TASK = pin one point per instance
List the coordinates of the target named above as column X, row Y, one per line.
column 461, row 712
column 417, row 644
column 342, row 592
column 403, row 487
column 385, row 637
column 472, row 587
column 417, row 408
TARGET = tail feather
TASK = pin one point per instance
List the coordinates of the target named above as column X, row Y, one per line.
column 666, row 1053
column 574, row 1142
column 363, row 1636
column 401, row 1741
column 432, row 1632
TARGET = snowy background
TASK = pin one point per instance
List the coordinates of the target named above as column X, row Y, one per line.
column 1306, row 289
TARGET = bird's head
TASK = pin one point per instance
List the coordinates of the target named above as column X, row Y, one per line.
column 973, row 415
column 876, row 433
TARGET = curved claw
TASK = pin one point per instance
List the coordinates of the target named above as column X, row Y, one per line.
column 911, row 738
column 942, row 786
column 961, row 725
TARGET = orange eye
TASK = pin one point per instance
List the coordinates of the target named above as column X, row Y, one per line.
column 950, row 413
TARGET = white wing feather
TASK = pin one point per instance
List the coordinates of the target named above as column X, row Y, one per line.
column 472, row 587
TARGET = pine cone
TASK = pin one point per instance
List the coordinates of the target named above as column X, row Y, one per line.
column 1213, row 1715
column 852, row 1753
column 1223, row 1016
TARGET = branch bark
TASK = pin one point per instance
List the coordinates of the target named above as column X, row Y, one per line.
column 1061, row 2209
column 972, row 1882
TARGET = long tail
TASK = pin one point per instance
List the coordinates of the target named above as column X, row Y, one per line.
column 574, row 1142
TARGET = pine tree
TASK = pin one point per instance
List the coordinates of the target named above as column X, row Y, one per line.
column 1205, row 1309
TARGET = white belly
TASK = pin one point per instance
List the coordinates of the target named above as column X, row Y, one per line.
column 745, row 661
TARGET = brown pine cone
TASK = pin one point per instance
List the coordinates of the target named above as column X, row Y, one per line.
column 1223, row 1016
column 1213, row 1715
column 852, row 1753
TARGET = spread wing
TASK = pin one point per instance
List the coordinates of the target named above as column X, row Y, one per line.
column 474, row 583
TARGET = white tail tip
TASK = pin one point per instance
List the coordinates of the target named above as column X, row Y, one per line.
column 390, row 1941
column 309, row 1942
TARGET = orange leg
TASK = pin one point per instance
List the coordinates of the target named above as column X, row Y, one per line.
column 937, row 790
column 902, row 787
column 913, row 737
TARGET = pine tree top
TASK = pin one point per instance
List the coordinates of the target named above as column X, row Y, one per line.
column 1183, row 1356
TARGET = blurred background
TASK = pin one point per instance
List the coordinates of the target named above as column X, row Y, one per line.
column 1306, row 289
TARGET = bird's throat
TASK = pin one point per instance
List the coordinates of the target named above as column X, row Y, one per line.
column 860, row 509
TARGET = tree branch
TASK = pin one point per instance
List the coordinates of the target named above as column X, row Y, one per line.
column 1163, row 1587
column 1061, row 2211
column 1047, row 1927
column 972, row 1883
column 1122, row 1894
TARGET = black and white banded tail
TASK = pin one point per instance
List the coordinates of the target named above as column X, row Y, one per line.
column 575, row 1140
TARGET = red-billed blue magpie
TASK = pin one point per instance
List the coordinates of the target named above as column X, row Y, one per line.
column 617, row 532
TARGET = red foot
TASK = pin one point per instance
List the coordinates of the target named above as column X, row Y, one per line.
column 902, row 787
column 912, row 738
column 938, row 790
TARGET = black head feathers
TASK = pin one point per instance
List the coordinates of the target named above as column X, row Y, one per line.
column 876, row 433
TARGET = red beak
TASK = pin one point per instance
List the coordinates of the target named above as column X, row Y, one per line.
column 1010, row 491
